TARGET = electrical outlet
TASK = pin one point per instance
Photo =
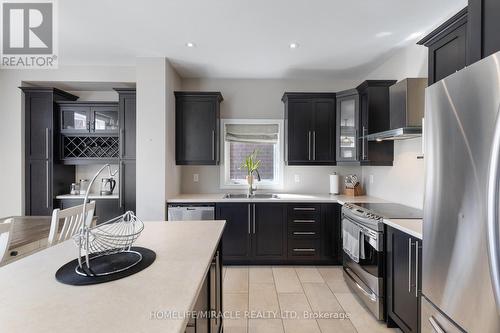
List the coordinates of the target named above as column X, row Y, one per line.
column 297, row 178
column 196, row 177
column 371, row 179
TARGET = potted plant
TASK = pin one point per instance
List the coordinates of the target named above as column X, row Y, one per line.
column 251, row 165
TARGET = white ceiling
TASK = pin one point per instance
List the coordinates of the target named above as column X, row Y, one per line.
column 246, row 38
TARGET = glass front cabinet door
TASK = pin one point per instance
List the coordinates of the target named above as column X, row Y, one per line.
column 75, row 119
column 105, row 119
column 89, row 117
column 347, row 126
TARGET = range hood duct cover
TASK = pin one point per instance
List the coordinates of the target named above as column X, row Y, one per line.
column 407, row 105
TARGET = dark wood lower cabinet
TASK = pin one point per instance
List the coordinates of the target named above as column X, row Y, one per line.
column 127, row 184
column 280, row 233
column 236, row 237
column 268, row 231
column 208, row 306
column 331, row 245
column 404, row 275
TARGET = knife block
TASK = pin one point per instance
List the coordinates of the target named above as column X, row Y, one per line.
column 353, row 192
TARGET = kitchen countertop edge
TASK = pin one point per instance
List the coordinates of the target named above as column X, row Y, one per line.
column 412, row 227
column 282, row 197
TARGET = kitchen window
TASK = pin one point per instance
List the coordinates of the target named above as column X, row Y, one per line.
column 240, row 138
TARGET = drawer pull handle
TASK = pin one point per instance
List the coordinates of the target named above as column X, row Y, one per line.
column 304, row 233
column 304, row 221
column 304, row 250
column 304, row 208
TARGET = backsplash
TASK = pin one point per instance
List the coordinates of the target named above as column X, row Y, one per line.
column 404, row 181
column 312, row 179
column 88, row 171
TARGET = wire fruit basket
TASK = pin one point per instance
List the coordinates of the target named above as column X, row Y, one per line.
column 97, row 245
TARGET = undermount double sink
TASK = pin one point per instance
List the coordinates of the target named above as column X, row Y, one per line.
column 253, row 196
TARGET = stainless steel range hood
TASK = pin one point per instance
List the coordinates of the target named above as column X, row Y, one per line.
column 407, row 104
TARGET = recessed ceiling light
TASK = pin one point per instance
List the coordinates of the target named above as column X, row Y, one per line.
column 383, row 34
column 294, row 45
column 189, row 44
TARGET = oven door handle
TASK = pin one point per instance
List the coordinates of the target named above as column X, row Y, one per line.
column 364, row 230
column 368, row 293
column 374, row 241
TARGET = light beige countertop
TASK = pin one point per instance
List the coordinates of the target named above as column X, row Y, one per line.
column 92, row 196
column 412, row 227
column 33, row 301
column 282, row 197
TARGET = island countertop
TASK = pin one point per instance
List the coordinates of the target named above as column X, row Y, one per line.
column 33, row 301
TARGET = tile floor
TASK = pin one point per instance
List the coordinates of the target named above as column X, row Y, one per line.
column 276, row 298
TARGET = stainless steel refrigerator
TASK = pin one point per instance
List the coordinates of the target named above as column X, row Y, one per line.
column 461, row 252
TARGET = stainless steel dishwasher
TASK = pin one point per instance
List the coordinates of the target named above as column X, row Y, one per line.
column 190, row 212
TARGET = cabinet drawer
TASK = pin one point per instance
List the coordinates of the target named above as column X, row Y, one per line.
column 299, row 248
column 309, row 222
column 304, row 211
column 304, row 231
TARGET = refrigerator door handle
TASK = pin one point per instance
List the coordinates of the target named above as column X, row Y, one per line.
column 416, row 269
column 493, row 220
column 435, row 326
column 409, row 265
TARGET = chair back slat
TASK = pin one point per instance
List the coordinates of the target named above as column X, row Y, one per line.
column 6, row 227
column 72, row 219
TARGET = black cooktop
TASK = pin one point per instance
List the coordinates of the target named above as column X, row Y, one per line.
column 392, row 210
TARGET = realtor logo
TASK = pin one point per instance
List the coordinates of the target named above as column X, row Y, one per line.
column 28, row 34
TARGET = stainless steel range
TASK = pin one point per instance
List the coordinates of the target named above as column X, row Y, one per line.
column 366, row 275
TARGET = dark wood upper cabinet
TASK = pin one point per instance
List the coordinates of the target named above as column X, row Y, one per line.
column 448, row 47
column 128, row 117
column 404, row 275
column 127, row 172
column 467, row 37
column 197, row 127
column 89, row 118
column 44, row 179
column 363, row 111
column 347, row 125
column 484, row 26
column 309, row 128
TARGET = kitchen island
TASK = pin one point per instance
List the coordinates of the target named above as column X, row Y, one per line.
column 33, row 301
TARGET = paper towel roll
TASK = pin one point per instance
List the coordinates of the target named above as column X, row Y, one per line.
column 334, row 183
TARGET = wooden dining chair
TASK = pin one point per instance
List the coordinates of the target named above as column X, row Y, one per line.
column 72, row 219
column 5, row 234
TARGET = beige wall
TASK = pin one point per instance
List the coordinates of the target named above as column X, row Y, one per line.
column 261, row 99
column 403, row 182
column 156, row 174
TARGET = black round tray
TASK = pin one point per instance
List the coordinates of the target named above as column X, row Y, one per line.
column 67, row 273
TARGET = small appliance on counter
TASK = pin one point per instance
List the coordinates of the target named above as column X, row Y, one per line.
column 107, row 186
column 352, row 186
column 84, row 185
column 334, row 183
column 75, row 189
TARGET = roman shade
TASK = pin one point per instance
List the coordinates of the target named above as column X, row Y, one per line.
column 252, row 133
